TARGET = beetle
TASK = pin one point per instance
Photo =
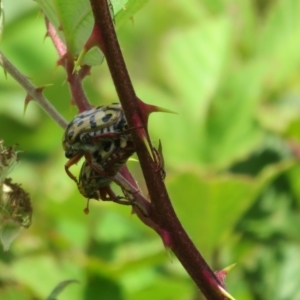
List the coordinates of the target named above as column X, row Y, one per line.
column 95, row 176
column 86, row 128
column 93, row 185
column 95, row 134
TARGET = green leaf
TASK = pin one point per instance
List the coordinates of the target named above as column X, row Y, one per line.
column 272, row 270
column 14, row 292
column 1, row 18
column 73, row 20
column 45, row 274
column 100, row 285
column 216, row 123
column 161, row 288
column 285, row 110
column 59, row 288
column 210, row 206
column 294, row 175
column 231, row 132
column 8, row 233
column 127, row 10
column 278, row 44
column 193, row 61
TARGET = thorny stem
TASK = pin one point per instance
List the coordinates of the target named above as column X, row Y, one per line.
column 138, row 198
column 33, row 92
column 57, row 42
column 162, row 215
column 162, row 212
column 74, row 77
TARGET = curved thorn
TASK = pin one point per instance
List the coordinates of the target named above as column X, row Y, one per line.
column 225, row 293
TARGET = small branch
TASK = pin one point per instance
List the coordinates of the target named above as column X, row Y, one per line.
column 74, row 77
column 57, row 42
column 33, row 92
column 137, row 198
column 162, row 212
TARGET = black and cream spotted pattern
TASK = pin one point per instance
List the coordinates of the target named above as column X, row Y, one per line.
column 93, row 179
column 101, row 135
column 90, row 182
column 88, row 130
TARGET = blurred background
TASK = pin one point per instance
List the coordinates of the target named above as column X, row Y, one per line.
column 231, row 70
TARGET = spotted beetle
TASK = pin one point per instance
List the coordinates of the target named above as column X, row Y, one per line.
column 94, row 178
column 91, row 184
column 104, row 122
column 96, row 134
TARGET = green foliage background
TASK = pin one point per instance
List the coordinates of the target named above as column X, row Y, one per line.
column 231, row 69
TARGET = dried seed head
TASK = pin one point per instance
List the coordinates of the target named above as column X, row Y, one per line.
column 8, row 160
column 15, row 204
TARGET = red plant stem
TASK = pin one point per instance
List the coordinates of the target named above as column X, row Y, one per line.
column 57, row 42
column 162, row 211
column 75, row 83
column 67, row 61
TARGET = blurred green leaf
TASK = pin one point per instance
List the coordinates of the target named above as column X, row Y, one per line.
column 46, row 273
column 277, row 44
column 208, row 201
column 287, row 111
column 59, row 288
column 202, row 53
column 193, row 61
column 294, row 175
column 13, row 293
column 162, row 288
column 103, row 287
column 126, row 9
column 282, row 265
column 223, row 141
column 8, row 233
column 1, row 18
column 210, row 206
column 289, row 274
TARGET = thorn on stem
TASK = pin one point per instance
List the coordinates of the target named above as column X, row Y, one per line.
column 146, row 142
column 147, row 109
column 28, row 98
column 166, row 238
column 223, row 273
column 225, row 293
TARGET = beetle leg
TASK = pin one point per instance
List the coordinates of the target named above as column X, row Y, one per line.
column 160, row 160
column 70, row 163
column 106, row 194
